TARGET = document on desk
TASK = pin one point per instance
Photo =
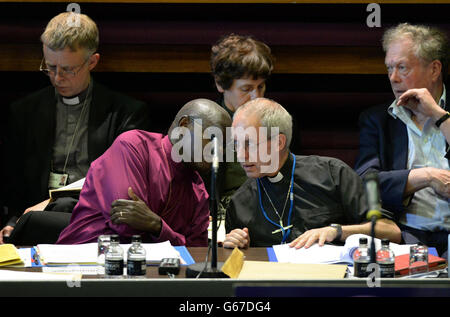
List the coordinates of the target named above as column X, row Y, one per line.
column 86, row 254
column 330, row 254
column 9, row 275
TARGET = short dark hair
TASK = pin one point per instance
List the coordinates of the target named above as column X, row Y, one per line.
column 235, row 56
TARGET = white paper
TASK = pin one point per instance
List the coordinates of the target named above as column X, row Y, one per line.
column 54, row 254
column 78, row 184
column 72, row 269
column 221, row 233
column 314, row 254
column 25, row 255
column 7, row 275
column 155, row 252
column 328, row 254
column 68, row 254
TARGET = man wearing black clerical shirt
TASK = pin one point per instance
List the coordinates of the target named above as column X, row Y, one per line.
column 288, row 198
column 55, row 133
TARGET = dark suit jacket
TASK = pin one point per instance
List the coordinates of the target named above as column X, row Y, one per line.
column 383, row 147
column 31, row 134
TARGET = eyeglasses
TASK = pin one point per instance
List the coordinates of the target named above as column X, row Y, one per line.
column 68, row 72
column 248, row 146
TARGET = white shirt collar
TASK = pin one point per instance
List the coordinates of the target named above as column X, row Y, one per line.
column 276, row 178
column 71, row 101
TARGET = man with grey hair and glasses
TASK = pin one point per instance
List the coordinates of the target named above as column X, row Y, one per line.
column 406, row 141
column 55, row 133
column 289, row 198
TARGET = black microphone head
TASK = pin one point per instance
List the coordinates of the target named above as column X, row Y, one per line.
column 373, row 196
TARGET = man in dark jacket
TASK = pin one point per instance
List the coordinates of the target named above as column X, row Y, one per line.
column 55, row 133
column 407, row 141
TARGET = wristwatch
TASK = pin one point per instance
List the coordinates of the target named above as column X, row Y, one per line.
column 442, row 119
column 339, row 231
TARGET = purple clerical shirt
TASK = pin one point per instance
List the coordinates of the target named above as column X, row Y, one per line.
column 141, row 160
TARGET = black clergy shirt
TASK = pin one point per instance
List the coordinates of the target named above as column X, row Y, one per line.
column 326, row 191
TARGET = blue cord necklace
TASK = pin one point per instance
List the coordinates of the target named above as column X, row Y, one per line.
column 285, row 230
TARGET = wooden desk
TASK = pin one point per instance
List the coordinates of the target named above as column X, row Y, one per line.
column 199, row 256
column 155, row 285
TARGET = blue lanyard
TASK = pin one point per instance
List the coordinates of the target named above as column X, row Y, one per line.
column 291, row 197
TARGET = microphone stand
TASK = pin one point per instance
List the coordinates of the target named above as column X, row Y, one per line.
column 213, row 209
column 213, row 269
column 373, row 252
column 374, row 203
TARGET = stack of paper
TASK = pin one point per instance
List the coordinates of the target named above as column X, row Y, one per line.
column 7, row 275
column 315, row 254
column 86, row 254
column 329, row 254
column 9, row 255
column 59, row 254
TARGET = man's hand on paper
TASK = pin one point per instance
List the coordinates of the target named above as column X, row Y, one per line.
column 135, row 213
column 237, row 238
column 307, row 239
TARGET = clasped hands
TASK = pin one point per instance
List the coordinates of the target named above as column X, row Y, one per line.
column 422, row 103
column 240, row 238
column 136, row 214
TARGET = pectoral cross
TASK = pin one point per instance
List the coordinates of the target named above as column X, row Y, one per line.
column 282, row 229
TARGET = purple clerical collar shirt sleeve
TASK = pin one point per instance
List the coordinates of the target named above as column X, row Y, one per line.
column 141, row 160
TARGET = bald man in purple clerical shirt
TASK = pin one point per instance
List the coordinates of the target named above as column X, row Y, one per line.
column 138, row 187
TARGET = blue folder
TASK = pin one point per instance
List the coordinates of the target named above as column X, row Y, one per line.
column 185, row 254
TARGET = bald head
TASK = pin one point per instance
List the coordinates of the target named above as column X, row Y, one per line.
column 191, row 131
column 208, row 111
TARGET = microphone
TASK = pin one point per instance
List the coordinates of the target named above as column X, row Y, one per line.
column 213, row 269
column 373, row 196
column 374, row 205
column 215, row 158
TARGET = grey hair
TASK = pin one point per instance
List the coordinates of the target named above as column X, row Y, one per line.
column 429, row 43
column 72, row 30
column 271, row 115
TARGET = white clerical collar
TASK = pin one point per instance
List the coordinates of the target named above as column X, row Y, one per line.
column 76, row 100
column 71, row 101
column 276, row 178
